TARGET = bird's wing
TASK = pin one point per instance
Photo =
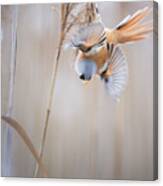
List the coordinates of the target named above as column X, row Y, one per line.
column 131, row 29
column 117, row 75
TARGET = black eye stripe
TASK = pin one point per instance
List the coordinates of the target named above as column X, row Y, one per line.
column 102, row 40
column 89, row 48
column 85, row 49
column 100, row 43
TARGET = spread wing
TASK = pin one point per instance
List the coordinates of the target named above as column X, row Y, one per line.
column 116, row 77
column 131, row 28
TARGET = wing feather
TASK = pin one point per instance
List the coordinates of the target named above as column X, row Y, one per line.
column 116, row 82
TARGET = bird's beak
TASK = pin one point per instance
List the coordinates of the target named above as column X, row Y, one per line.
column 86, row 82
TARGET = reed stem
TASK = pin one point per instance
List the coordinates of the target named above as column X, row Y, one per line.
column 48, row 111
column 65, row 12
column 12, row 74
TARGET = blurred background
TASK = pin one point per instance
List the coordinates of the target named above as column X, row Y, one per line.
column 89, row 134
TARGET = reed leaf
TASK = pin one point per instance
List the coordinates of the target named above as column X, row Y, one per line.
column 22, row 133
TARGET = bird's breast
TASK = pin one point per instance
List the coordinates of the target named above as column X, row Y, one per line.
column 99, row 58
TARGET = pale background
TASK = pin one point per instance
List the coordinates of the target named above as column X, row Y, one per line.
column 90, row 136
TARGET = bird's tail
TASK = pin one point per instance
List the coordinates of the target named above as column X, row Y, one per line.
column 131, row 28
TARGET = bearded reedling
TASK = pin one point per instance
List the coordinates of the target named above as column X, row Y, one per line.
column 99, row 53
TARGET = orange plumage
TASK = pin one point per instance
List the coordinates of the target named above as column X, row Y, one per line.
column 99, row 52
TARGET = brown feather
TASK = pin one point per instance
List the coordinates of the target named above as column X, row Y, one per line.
column 132, row 30
column 136, row 18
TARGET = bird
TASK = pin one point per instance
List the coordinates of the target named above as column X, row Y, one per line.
column 99, row 51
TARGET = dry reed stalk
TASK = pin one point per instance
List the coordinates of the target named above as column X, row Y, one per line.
column 12, row 74
column 68, row 20
column 19, row 129
column 64, row 15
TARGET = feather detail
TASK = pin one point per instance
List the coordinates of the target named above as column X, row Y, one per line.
column 117, row 75
column 131, row 29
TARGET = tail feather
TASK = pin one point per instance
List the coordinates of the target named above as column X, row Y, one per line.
column 136, row 18
column 131, row 29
